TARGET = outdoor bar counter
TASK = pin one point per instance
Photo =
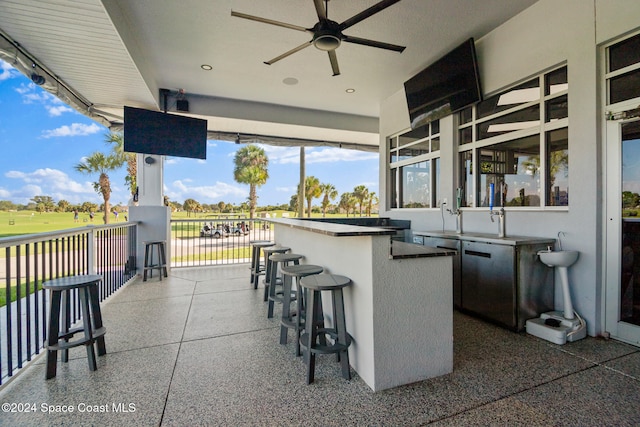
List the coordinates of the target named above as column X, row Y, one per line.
column 399, row 307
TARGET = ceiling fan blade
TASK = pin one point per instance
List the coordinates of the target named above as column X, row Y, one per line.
column 333, row 58
column 320, row 10
column 373, row 43
column 291, row 52
column 269, row 21
column 367, row 13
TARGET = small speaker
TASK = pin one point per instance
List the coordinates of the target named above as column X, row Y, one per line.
column 182, row 105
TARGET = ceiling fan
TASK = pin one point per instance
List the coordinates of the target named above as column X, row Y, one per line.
column 327, row 34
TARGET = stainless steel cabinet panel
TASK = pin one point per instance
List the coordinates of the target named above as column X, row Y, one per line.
column 488, row 281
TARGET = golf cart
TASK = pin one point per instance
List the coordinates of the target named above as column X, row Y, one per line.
column 241, row 228
column 217, row 232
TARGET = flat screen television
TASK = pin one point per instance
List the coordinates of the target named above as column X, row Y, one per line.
column 444, row 87
column 153, row 132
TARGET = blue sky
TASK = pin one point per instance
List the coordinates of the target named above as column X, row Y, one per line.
column 42, row 139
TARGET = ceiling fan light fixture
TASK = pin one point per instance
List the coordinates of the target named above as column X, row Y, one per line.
column 326, row 41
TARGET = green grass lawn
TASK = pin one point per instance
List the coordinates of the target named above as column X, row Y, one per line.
column 29, row 222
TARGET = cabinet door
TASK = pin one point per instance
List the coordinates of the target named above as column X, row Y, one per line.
column 488, row 281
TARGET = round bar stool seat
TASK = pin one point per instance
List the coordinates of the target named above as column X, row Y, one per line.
column 58, row 334
column 288, row 321
column 268, row 251
column 149, row 265
column 284, row 259
column 257, row 269
column 314, row 339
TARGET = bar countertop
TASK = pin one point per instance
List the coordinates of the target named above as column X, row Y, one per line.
column 400, row 250
column 488, row 238
column 334, row 229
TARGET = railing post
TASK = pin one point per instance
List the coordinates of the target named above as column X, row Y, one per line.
column 91, row 250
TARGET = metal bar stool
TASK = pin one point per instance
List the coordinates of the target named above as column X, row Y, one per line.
column 59, row 334
column 314, row 338
column 148, row 259
column 275, row 249
column 288, row 322
column 275, row 295
column 257, row 269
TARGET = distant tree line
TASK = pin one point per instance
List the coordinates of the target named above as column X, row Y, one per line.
column 251, row 167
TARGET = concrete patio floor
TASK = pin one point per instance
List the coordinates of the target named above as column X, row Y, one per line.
column 198, row 349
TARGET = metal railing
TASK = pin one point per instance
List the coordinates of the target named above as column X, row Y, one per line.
column 30, row 260
column 206, row 242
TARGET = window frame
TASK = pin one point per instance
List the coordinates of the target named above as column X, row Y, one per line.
column 472, row 196
column 395, row 167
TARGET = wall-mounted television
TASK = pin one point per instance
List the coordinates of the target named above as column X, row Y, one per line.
column 153, row 132
column 444, row 87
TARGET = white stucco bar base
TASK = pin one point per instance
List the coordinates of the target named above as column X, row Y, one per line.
column 398, row 311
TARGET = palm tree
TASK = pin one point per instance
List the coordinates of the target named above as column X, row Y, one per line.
column 361, row 193
column 347, row 202
column 330, row 193
column 191, row 205
column 371, row 200
column 251, row 164
column 312, row 190
column 129, row 158
column 101, row 164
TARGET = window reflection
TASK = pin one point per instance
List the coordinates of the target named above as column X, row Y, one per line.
column 558, row 167
column 521, row 94
column 466, row 178
column 626, row 86
column 466, row 135
column 416, row 185
column 516, row 164
column 522, row 119
column 557, row 108
column 625, row 53
column 556, row 81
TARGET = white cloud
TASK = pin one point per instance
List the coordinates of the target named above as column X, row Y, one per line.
column 7, row 71
column 290, row 190
column 51, row 182
column 76, row 129
column 287, row 155
column 32, row 94
column 333, row 154
column 15, row 174
column 282, row 155
column 58, row 110
column 180, row 190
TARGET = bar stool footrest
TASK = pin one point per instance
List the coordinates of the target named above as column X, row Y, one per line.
column 63, row 345
column 325, row 349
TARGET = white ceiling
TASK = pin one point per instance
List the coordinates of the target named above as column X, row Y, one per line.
column 121, row 52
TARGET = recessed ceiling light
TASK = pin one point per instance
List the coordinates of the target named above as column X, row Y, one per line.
column 290, row 81
column 206, row 67
column 350, row 90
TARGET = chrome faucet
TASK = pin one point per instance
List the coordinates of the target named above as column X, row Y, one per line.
column 458, row 214
column 560, row 239
column 501, row 212
column 501, row 221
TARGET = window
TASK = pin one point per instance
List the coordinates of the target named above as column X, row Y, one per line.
column 414, row 167
column 623, row 70
column 518, row 141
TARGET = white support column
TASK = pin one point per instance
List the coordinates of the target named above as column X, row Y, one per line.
column 150, row 213
column 150, row 180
